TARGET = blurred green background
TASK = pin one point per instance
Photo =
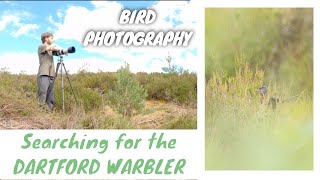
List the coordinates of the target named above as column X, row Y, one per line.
column 245, row 49
column 278, row 40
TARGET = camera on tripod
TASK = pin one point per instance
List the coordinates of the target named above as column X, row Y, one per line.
column 62, row 67
column 64, row 51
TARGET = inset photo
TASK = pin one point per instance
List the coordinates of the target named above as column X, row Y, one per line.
column 98, row 65
column 259, row 89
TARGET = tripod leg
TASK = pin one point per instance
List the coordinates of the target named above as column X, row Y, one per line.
column 62, row 88
column 70, row 83
column 57, row 69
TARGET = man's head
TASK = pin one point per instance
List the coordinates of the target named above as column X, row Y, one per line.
column 47, row 38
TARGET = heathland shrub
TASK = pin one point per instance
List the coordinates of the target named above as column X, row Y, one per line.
column 171, row 87
column 183, row 122
column 99, row 81
column 128, row 95
column 87, row 98
column 91, row 88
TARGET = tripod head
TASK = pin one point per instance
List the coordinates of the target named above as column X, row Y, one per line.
column 60, row 60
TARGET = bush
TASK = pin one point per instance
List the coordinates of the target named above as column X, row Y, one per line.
column 128, row 96
column 171, row 87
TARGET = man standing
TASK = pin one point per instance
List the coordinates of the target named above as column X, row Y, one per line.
column 46, row 72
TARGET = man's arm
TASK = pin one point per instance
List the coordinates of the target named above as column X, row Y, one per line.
column 53, row 47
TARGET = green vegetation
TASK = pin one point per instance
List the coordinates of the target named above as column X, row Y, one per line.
column 156, row 102
column 128, row 95
column 245, row 49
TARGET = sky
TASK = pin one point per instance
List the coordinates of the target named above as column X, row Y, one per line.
column 22, row 23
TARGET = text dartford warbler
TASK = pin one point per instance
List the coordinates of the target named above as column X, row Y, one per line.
column 40, row 165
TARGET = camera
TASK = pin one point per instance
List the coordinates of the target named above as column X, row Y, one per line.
column 64, row 51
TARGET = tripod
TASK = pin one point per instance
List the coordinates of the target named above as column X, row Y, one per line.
column 61, row 64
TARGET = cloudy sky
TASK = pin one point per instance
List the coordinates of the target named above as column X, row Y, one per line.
column 22, row 23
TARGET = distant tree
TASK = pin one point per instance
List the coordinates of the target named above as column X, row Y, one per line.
column 172, row 68
column 128, row 95
column 84, row 68
column 4, row 70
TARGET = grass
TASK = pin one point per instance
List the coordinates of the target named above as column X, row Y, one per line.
column 183, row 122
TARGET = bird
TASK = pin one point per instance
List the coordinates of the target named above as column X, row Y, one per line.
column 273, row 101
column 263, row 93
column 263, row 90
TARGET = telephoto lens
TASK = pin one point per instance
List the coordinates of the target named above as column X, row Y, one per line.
column 69, row 50
column 64, row 51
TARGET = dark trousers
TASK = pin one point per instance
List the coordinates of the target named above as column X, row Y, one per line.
column 45, row 92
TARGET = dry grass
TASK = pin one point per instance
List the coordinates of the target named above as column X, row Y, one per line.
column 158, row 114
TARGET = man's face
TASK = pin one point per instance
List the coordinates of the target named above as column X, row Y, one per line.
column 49, row 40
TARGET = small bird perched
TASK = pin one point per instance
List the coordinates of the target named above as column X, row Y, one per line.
column 263, row 93
column 263, row 90
column 273, row 101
